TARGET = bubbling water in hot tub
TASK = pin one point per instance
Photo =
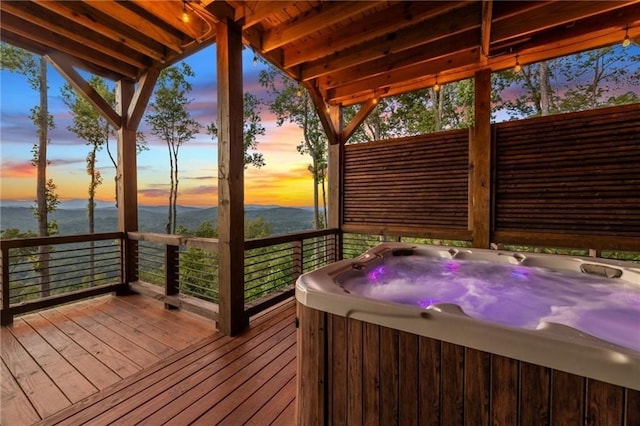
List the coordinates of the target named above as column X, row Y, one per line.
column 512, row 295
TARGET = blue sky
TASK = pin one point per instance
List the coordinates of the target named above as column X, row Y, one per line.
column 284, row 180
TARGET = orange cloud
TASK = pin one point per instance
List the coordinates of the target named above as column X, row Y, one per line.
column 17, row 169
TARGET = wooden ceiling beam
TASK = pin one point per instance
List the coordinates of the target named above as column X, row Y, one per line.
column 35, row 48
column 222, row 11
column 63, row 64
column 465, row 19
column 261, row 10
column 120, row 12
column 171, row 13
column 61, row 9
column 485, row 30
column 552, row 15
column 419, row 71
column 595, row 32
column 395, row 18
column 426, row 53
column 30, row 12
column 323, row 16
column 57, row 42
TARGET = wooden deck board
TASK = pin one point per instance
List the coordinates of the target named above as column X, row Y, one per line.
column 73, row 384
column 273, row 408
column 15, row 406
column 96, row 372
column 202, row 376
column 170, row 327
column 43, row 393
column 116, row 361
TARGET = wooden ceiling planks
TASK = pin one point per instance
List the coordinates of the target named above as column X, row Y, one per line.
column 349, row 51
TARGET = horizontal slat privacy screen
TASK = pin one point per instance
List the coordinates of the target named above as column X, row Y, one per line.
column 416, row 182
column 578, row 173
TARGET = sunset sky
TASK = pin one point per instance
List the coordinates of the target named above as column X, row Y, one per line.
column 284, row 180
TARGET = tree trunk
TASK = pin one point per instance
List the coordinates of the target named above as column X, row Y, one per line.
column 91, row 208
column 316, row 208
column 42, row 208
column 175, row 194
column 545, row 88
column 171, row 167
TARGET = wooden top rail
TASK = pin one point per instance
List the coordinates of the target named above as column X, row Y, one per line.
column 176, row 240
column 56, row 240
column 287, row 238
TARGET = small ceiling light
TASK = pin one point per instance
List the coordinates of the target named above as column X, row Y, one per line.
column 436, row 86
column 517, row 68
column 375, row 101
column 299, row 92
column 626, row 41
column 185, row 15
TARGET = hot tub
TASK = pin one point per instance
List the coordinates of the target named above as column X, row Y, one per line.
column 565, row 351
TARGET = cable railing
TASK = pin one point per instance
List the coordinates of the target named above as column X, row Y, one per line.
column 273, row 264
column 43, row 272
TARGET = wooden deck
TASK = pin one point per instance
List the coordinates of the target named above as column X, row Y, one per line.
column 127, row 360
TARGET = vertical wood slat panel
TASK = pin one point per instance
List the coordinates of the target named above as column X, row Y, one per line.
column 534, row 395
column 430, row 381
column 574, row 174
column 339, row 370
column 409, row 389
column 477, row 386
column 452, row 390
column 355, row 379
column 400, row 378
column 311, row 378
column 633, row 408
column 427, row 177
column 371, row 382
column 389, row 372
column 504, row 390
column 605, row 403
column 567, row 403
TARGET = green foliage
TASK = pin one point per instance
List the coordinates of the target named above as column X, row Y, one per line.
column 419, row 112
column 252, row 129
column 257, row 228
column 21, row 62
column 171, row 121
column 578, row 82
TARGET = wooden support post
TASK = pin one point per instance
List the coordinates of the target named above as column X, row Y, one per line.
column 480, row 162
column 127, row 182
column 334, row 176
column 232, row 318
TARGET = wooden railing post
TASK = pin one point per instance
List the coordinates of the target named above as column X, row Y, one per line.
column 172, row 272
column 6, row 317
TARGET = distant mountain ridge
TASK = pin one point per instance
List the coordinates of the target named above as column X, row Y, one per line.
column 154, row 218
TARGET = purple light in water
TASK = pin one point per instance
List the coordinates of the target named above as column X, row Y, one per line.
column 452, row 266
column 520, row 273
column 424, row 304
column 376, row 274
